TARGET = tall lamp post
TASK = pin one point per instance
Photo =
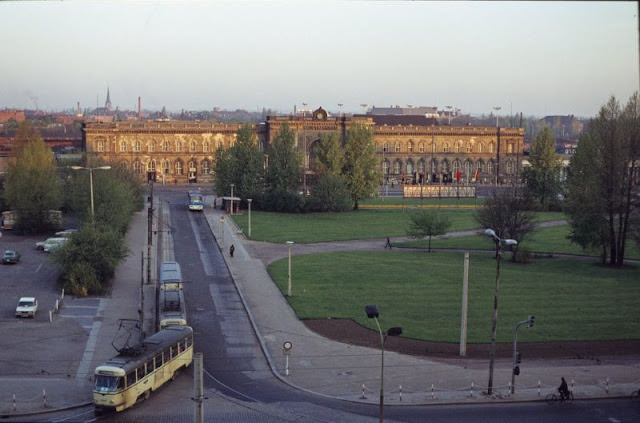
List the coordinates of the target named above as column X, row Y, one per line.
column 249, row 200
column 232, row 185
column 372, row 313
column 289, row 244
column 497, row 108
column 494, row 327
column 91, row 169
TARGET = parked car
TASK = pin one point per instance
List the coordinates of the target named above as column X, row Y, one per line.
column 10, row 257
column 27, row 307
column 51, row 243
column 66, row 233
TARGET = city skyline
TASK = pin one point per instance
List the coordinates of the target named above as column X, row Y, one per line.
column 538, row 58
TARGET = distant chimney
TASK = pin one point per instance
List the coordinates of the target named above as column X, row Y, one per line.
column 139, row 109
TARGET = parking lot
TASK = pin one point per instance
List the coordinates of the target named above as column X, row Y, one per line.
column 38, row 347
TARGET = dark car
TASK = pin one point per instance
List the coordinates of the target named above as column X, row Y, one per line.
column 10, row 257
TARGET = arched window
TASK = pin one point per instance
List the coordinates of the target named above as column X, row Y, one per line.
column 410, row 146
column 456, row 166
column 178, row 167
column 206, row 167
column 421, row 147
column 469, row 148
column 480, row 147
column 410, row 168
column 385, row 167
column 151, row 146
column 434, row 166
column 385, row 147
column 492, row 147
column 123, row 146
column 137, row 146
column 137, row 167
column 101, row 145
column 206, row 146
column 165, row 145
column 397, row 167
column 151, row 166
column 510, row 148
column 510, row 167
column 220, row 144
column 490, row 167
column 459, row 146
column 192, row 146
column 166, row 167
column 445, row 147
column 397, row 148
column 468, row 169
column 178, row 146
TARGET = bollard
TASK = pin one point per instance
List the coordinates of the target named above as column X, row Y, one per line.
column 57, row 305
column 14, row 402
column 433, row 394
column 44, row 398
column 50, row 316
column 400, row 393
column 607, row 386
column 538, row 388
column 363, row 395
column 572, row 383
column 471, row 392
column 509, row 387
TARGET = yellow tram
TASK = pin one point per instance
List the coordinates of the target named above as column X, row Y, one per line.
column 134, row 373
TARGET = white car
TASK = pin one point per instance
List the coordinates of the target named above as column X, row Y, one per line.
column 51, row 244
column 27, row 307
column 66, row 233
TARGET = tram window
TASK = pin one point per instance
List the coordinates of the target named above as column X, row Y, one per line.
column 131, row 378
column 150, row 366
column 189, row 341
column 159, row 360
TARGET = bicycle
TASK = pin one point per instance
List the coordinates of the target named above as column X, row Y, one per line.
column 555, row 397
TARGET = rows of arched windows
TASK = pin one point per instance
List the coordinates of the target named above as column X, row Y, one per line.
column 459, row 146
column 151, row 146
column 171, row 167
column 469, row 169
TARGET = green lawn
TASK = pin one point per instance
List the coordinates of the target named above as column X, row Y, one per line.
column 571, row 299
column 361, row 224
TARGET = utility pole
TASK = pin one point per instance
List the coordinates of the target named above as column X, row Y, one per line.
column 198, row 394
column 149, row 231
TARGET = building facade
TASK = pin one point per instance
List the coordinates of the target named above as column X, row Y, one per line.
column 420, row 153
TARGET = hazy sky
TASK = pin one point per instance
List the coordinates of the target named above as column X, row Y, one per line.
column 538, row 58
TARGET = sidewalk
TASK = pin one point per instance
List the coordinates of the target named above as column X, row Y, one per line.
column 350, row 372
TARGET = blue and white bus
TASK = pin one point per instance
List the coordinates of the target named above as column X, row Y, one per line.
column 196, row 200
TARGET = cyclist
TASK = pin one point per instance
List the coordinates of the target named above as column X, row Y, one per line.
column 563, row 390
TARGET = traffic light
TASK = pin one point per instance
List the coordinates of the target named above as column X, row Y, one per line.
column 531, row 321
column 516, row 370
column 518, row 358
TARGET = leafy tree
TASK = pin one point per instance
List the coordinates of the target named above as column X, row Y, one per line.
column 602, row 189
column 97, row 247
column 427, row 223
column 284, row 162
column 360, row 163
column 329, row 155
column 32, row 187
column 241, row 165
column 508, row 212
column 543, row 177
column 330, row 193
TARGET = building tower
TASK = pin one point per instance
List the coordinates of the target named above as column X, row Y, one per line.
column 107, row 104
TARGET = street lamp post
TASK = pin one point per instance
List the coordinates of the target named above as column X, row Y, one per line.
column 289, row 244
column 515, row 369
column 372, row 313
column 232, row 185
column 494, row 327
column 249, row 200
column 91, row 169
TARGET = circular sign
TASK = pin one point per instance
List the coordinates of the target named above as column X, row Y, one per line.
column 287, row 345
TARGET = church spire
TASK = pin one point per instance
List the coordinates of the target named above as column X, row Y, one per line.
column 107, row 104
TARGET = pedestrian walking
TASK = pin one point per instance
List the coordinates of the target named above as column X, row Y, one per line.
column 231, row 250
column 388, row 244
